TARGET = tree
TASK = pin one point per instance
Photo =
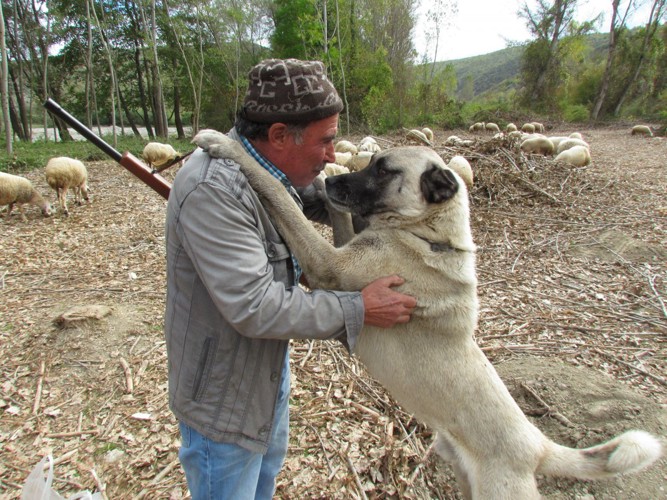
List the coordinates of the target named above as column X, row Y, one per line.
column 656, row 15
column 617, row 25
column 543, row 58
column 4, row 87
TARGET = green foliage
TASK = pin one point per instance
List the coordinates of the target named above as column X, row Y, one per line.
column 576, row 113
column 298, row 30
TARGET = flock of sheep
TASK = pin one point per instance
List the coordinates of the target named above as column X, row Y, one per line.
column 64, row 174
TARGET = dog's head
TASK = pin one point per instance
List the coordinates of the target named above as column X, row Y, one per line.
column 399, row 186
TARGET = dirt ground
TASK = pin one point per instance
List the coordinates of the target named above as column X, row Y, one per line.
column 572, row 281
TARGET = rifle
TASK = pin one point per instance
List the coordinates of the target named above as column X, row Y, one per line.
column 135, row 166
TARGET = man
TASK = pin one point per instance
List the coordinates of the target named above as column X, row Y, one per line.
column 233, row 300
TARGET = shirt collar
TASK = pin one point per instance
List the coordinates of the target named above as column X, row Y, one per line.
column 270, row 167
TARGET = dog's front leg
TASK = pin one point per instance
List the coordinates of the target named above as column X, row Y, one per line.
column 317, row 257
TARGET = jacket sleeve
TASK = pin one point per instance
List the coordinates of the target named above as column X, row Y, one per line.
column 219, row 230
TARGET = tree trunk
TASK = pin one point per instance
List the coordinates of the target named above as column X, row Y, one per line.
column 4, row 87
column 657, row 10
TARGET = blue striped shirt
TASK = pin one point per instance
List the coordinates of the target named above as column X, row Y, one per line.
column 275, row 172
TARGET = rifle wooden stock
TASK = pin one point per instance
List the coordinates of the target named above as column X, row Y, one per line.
column 133, row 164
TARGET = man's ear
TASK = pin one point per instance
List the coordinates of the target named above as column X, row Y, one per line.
column 278, row 135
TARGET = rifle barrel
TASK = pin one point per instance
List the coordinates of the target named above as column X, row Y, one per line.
column 57, row 110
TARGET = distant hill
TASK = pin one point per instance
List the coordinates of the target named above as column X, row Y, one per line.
column 498, row 71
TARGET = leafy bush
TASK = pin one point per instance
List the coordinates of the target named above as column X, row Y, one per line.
column 576, row 113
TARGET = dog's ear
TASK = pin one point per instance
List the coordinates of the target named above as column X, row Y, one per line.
column 438, row 184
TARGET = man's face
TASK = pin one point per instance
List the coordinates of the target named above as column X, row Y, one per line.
column 302, row 160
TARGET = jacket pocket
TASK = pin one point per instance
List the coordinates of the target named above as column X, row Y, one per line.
column 206, row 357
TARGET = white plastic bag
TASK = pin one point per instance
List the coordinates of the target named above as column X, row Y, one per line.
column 38, row 488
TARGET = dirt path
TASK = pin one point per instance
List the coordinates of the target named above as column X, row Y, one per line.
column 572, row 268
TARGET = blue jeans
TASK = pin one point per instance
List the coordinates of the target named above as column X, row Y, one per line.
column 224, row 471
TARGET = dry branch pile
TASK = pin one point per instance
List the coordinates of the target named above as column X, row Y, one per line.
column 571, row 265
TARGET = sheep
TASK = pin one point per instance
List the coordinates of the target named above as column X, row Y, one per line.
column 642, row 130
column 577, row 156
column 63, row 173
column 557, row 139
column 476, row 127
column 537, row 145
column 417, row 136
column 510, row 127
column 344, row 146
column 17, row 190
column 515, row 134
column 342, row 158
column 576, row 135
column 369, row 144
column 491, row 127
column 538, row 126
column 428, row 133
column 359, row 161
column 568, row 143
column 528, row 127
column 462, row 167
column 331, row 169
column 159, row 156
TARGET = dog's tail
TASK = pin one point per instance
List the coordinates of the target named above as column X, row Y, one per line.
column 629, row 452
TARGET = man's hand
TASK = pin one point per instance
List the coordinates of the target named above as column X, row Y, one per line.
column 385, row 307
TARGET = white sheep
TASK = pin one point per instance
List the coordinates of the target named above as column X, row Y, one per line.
column 577, row 156
column 642, row 130
column 453, row 140
column 537, row 145
column 538, row 126
column 569, row 143
column 515, row 134
column 17, row 190
column 528, row 127
column 477, row 127
column 462, row 167
column 369, row 144
column 492, row 127
column 510, row 127
column 63, row 173
column 417, row 136
column 331, row 169
column 158, row 155
column 557, row 139
column 428, row 133
column 342, row 158
column 576, row 135
column 359, row 161
column 344, row 146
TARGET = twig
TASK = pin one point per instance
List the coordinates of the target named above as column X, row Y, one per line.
column 72, row 434
column 128, row 375
column 357, row 480
column 158, row 478
column 660, row 380
column 651, row 283
column 101, row 487
column 549, row 411
column 38, row 391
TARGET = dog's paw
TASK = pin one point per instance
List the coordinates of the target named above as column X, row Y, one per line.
column 208, row 137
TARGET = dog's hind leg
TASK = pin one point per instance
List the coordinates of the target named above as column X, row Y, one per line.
column 447, row 451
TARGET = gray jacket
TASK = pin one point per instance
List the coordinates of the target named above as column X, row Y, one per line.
column 233, row 303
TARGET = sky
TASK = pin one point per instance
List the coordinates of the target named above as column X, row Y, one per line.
column 484, row 26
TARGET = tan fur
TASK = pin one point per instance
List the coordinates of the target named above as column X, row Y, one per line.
column 63, row 173
column 577, row 156
column 17, row 190
column 432, row 365
column 537, row 145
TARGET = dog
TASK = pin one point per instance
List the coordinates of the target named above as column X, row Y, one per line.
column 417, row 210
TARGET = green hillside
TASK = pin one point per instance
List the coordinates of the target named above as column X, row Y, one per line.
column 498, row 71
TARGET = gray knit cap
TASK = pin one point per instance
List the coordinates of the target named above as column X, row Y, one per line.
column 291, row 91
